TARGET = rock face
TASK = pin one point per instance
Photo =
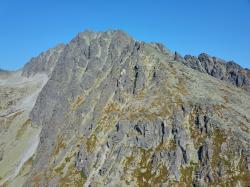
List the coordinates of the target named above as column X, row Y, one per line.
column 118, row 112
column 44, row 63
column 226, row 71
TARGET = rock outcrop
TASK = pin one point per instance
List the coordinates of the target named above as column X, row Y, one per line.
column 225, row 71
column 44, row 63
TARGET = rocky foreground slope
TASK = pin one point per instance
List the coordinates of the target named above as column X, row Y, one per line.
column 119, row 112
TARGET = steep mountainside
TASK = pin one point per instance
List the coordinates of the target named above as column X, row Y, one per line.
column 120, row 112
column 19, row 138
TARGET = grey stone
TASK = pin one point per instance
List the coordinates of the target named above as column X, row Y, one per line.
column 226, row 71
column 44, row 63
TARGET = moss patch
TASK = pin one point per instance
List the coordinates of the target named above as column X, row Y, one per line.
column 79, row 100
column 91, row 143
column 145, row 176
column 59, row 145
column 187, row 174
column 218, row 138
column 73, row 178
column 23, row 128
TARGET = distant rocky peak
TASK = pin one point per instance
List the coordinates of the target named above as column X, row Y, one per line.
column 89, row 35
column 227, row 71
column 43, row 63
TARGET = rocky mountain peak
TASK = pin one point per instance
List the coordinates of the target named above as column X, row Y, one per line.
column 120, row 112
column 44, row 63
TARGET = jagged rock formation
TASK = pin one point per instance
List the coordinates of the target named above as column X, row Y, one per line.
column 119, row 112
column 44, row 63
column 218, row 68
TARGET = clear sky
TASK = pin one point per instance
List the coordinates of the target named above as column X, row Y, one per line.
column 218, row 27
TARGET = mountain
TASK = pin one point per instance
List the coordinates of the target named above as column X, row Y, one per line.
column 107, row 110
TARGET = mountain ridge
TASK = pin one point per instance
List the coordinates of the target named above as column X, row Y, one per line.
column 227, row 71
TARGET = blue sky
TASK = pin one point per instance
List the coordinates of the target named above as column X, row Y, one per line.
column 218, row 27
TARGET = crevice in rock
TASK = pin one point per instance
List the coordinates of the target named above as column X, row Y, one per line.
column 117, row 127
column 162, row 131
column 136, row 69
column 137, row 128
column 184, row 153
